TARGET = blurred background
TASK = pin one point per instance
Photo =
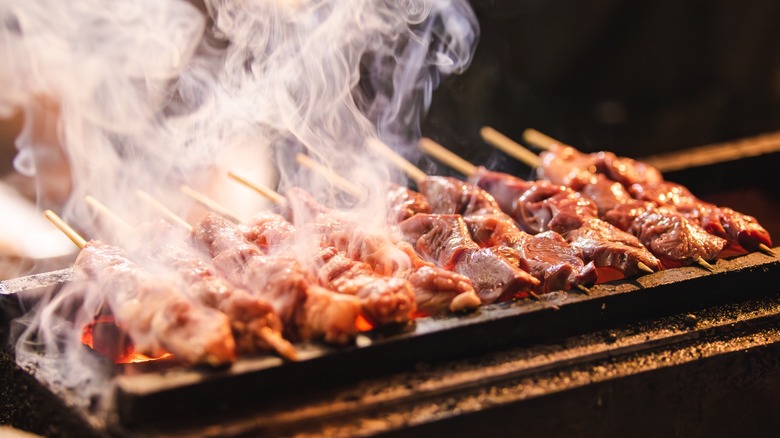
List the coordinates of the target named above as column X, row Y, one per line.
column 637, row 78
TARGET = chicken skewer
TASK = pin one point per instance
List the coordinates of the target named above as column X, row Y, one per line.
column 306, row 309
column 445, row 241
column 626, row 255
column 255, row 325
column 154, row 312
column 646, row 183
column 556, row 263
column 383, row 300
column 435, row 290
column 672, row 236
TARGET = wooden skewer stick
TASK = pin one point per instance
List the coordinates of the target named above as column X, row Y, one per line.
column 162, row 209
column 539, row 140
column 268, row 192
column 65, row 228
column 447, row 157
column 104, row 210
column 766, row 250
column 704, row 264
column 209, row 203
column 453, row 160
column 412, row 171
column 584, row 289
column 644, row 267
column 336, row 179
column 509, row 146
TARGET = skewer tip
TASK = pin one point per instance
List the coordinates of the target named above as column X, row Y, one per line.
column 465, row 301
column 279, row 344
column 643, row 267
column 704, row 264
column 534, row 295
column 584, row 289
column 766, row 250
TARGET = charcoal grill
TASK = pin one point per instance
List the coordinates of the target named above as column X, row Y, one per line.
column 699, row 348
column 478, row 364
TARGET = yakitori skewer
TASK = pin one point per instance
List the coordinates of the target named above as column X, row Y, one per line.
column 451, row 159
column 251, row 318
column 174, row 324
column 614, row 204
column 465, row 300
column 653, row 181
column 420, row 177
column 604, row 259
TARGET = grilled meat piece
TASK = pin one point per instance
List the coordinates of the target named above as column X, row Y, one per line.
column 737, row 228
column 339, row 232
column 549, row 258
column 281, row 281
column 271, row 232
column 157, row 315
column 568, row 166
column 436, row 290
column 329, row 315
column 480, row 209
column 445, row 241
column 250, row 317
column 403, row 203
column 669, row 234
column 452, row 196
column 542, row 206
column 384, row 300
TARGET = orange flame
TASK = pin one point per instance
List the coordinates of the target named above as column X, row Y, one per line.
column 119, row 349
column 362, row 324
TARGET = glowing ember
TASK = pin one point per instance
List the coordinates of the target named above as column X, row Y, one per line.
column 104, row 336
column 362, row 324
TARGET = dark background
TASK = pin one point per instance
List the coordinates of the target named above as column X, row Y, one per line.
column 638, row 78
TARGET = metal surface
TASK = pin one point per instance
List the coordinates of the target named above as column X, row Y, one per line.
column 147, row 395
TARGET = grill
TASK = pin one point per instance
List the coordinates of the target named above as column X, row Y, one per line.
column 679, row 352
column 421, row 375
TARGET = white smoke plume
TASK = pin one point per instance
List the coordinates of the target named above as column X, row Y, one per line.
column 122, row 95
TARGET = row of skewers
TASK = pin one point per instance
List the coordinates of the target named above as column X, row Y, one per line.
column 449, row 247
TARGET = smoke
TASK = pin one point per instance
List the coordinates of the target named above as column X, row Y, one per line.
column 150, row 94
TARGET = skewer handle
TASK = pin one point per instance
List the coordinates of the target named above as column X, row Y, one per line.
column 538, row 139
column 209, row 203
column 509, row 146
column 104, row 210
column 412, row 171
column 337, row 180
column 65, row 228
column 265, row 191
column 165, row 211
column 446, row 156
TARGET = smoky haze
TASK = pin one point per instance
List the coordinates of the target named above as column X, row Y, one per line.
column 121, row 96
